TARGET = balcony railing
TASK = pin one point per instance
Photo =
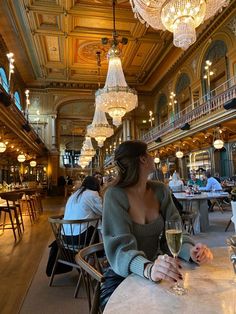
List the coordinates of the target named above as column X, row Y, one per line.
column 204, row 106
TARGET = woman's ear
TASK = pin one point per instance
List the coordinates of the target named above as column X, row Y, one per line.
column 143, row 159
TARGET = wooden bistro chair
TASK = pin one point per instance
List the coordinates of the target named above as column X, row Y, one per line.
column 92, row 269
column 12, row 207
column 69, row 246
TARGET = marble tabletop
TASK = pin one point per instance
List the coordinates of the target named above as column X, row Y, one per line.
column 202, row 196
column 210, row 291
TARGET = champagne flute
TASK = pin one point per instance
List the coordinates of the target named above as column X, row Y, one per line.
column 231, row 245
column 173, row 232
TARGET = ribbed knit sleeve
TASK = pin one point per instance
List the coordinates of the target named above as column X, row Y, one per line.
column 169, row 212
column 119, row 242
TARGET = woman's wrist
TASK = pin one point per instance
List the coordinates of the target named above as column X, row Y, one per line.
column 148, row 271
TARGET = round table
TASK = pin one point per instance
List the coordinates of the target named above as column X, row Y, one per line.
column 210, row 291
column 199, row 202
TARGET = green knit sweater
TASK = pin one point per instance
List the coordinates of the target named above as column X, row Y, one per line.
column 129, row 246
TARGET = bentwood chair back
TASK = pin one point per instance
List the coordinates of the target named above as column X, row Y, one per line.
column 92, row 269
column 72, row 236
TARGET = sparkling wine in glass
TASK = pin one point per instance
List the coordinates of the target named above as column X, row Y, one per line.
column 173, row 232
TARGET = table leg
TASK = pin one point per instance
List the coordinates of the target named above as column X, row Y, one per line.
column 204, row 218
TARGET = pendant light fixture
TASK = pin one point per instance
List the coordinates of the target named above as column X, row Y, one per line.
column 21, row 157
column 181, row 17
column 179, row 154
column 100, row 129
column 3, row 147
column 116, row 98
column 33, row 163
column 157, row 160
column 218, row 142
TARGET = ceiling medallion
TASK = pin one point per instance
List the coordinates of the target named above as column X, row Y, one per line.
column 181, row 17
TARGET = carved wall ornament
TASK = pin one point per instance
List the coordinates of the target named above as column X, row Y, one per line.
column 232, row 26
column 194, row 66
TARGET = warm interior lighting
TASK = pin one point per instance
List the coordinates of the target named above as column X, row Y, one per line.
column 181, row 17
column 218, row 144
column 179, row 154
column 156, row 160
column 116, row 98
column 3, row 147
column 33, row 163
column 21, row 158
column 100, row 129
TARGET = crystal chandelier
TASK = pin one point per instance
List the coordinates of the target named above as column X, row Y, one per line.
column 116, row 98
column 87, row 148
column 100, row 129
column 181, row 17
column 87, row 153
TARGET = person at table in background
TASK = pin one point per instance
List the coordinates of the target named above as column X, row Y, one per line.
column 134, row 215
column 212, row 183
column 194, row 180
column 85, row 203
column 175, row 183
column 158, row 175
column 217, row 177
column 98, row 175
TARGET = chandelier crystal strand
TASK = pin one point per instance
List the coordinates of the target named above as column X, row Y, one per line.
column 147, row 11
column 116, row 98
column 100, row 129
column 181, row 17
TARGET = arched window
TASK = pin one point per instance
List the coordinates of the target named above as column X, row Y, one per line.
column 183, row 93
column 162, row 109
column 17, row 100
column 3, row 80
column 217, row 54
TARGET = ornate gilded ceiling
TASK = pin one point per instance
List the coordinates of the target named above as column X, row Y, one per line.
column 60, row 39
column 55, row 44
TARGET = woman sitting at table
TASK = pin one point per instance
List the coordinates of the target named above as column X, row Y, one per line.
column 134, row 217
column 175, row 183
column 85, row 203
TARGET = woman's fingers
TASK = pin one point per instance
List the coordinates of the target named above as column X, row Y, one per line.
column 167, row 268
column 203, row 254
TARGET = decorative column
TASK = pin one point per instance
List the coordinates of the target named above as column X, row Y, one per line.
column 126, row 130
column 53, row 162
column 53, row 131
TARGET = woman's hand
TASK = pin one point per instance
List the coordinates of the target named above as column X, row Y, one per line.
column 167, row 268
column 200, row 254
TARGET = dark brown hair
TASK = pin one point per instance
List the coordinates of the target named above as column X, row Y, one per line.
column 127, row 161
column 89, row 183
